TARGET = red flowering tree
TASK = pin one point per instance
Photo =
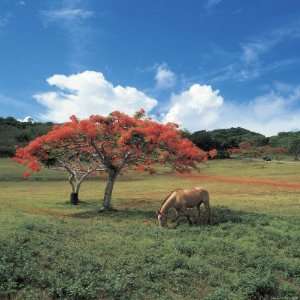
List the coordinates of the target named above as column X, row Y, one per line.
column 249, row 150
column 120, row 142
column 63, row 148
column 113, row 143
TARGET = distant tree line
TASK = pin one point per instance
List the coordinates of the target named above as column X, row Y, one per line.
column 251, row 143
column 14, row 133
column 225, row 139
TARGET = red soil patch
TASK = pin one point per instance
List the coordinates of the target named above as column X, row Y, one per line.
column 244, row 180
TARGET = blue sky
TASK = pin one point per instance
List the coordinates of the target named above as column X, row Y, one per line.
column 203, row 64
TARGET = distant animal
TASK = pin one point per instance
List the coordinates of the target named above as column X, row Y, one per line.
column 181, row 200
column 267, row 158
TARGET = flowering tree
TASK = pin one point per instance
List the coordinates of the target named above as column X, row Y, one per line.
column 111, row 143
column 212, row 154
column 248, row 149
column 120, row 141
column 63, row 148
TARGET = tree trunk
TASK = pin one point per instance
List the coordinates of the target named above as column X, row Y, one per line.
column 74, row 198
column 112, row 175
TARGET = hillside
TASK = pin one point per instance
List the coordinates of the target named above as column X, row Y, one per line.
column 226, row 138
column 15, row 133
column 284, row 139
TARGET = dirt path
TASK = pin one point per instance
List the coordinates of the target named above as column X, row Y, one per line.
column 243, row 180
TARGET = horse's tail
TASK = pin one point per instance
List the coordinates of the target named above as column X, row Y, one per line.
column 207, row 206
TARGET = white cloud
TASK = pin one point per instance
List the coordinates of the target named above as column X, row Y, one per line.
column 4, row 20
column 251, row 60
column 73, row 18
column 67, row 14
column 196, row 108
column 27, row 119
column 164, row 77
column 253, row 49
column 251, row 52
column 270, row 113
column 212, row 3
column 88, row 93
column 242, row 72
column 202, row 108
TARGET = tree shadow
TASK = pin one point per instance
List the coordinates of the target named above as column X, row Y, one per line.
column 136, row 214
column 219, row 215
column 80, row 204
column 225, row 215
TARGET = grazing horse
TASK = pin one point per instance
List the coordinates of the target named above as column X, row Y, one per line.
column 181, row 200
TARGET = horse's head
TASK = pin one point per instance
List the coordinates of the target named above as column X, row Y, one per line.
column 162, row 218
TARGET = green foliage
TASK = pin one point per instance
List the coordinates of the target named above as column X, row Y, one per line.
column 50, row 250
column 24, row 263
column 221, row 294
column 232, row 137
column 14, row 133
column 224, row 139
column 68, row 262
column 258, row 284
column 294, row 148
column 223, row 154
column 284, row 139
column 204, row 140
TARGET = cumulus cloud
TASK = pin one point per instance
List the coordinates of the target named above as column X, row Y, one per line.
column 196, row 108
column 89, row 93
column 164, row 77
column 273, row 112
column 202, row 108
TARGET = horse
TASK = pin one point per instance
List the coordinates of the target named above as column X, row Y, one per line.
column 182, row 200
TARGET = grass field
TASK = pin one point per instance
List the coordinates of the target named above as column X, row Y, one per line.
column 50, row 250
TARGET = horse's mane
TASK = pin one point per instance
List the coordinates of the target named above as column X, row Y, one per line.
column 164, row 201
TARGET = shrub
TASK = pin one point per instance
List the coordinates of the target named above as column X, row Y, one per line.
column 258, row 285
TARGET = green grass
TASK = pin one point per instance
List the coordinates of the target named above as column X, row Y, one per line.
column 50, row 250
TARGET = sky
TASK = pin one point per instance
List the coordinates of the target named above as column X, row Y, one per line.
column 203, row 64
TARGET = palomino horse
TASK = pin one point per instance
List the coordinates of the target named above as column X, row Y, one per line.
column 181, row 200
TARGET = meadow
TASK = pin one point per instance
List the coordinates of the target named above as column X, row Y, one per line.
column 52, row 250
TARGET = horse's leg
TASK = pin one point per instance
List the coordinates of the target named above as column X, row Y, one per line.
column 189, row 219
column 198, row 208
column 177, row 219
column 208, row 212
column 186, row 214
column 178, row 215
column 183, row 213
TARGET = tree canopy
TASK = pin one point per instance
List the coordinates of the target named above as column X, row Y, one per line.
column 113, row 143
